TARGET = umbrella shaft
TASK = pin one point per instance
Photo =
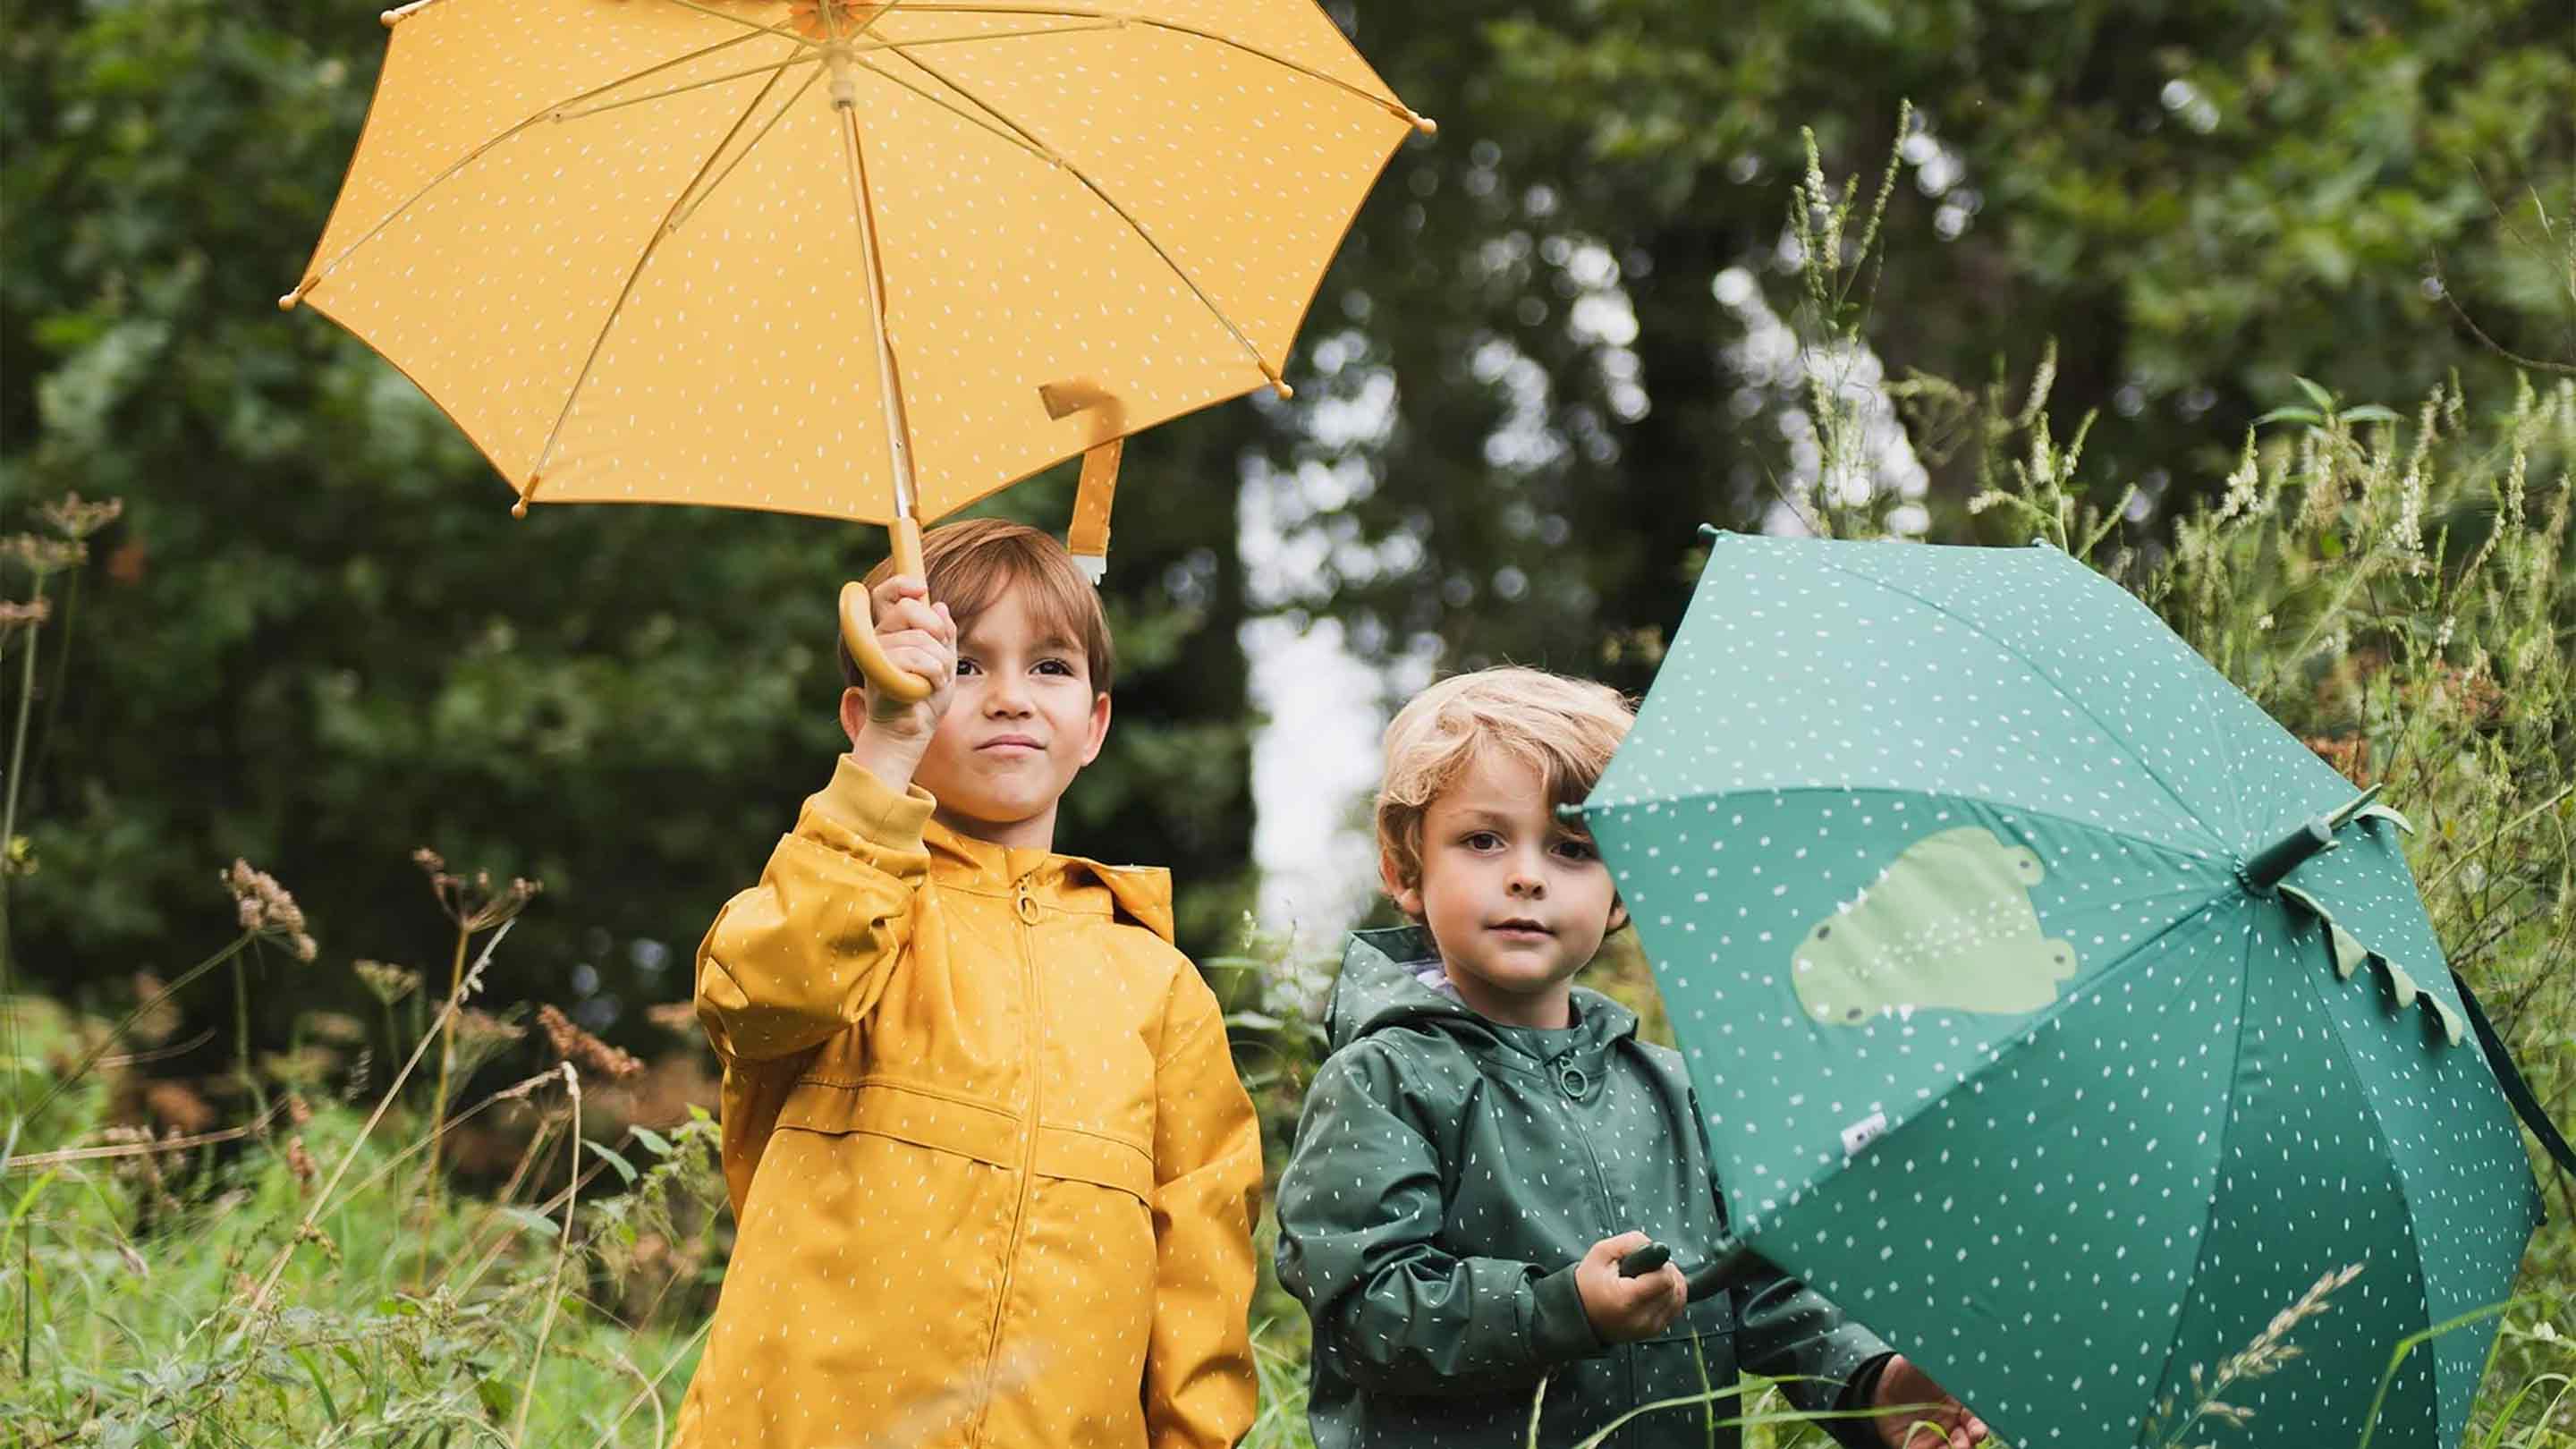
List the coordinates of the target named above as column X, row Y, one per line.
column 843, row 66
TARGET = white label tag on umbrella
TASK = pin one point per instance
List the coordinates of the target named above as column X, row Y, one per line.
column 1863, row 1132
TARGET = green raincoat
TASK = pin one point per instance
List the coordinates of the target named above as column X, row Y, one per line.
column 1449, row 1173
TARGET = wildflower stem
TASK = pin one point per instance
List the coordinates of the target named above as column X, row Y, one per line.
column 8, row 983
column 446, row 1066
column 554, row 1279
column 241, row 1036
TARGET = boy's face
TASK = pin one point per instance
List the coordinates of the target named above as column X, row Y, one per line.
column 1023, row 722
column 1517, row 900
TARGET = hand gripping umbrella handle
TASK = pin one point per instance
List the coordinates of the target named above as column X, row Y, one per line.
column 859, row 625
column 1731, row 1265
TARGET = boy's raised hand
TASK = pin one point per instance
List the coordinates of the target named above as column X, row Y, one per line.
column 1624, row 1310
column 920, row 638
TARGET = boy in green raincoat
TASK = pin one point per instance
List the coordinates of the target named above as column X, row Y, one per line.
column 1487, row 1142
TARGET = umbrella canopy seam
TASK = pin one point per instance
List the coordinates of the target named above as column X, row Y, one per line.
column 2226, row 1124
column 2388, row 1151
column 2118, row 738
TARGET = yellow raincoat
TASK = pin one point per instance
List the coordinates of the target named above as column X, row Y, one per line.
column 993, row 1174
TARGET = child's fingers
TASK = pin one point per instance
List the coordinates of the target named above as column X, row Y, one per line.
column 1611, row 1250
column 901, row 586
column 908, row 613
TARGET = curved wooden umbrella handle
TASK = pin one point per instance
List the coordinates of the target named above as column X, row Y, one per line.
column 859, row 625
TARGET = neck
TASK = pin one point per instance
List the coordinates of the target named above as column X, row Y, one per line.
column 1549, row 1010
column 1035, row 833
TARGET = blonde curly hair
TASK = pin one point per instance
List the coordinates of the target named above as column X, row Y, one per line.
column 1567, row 729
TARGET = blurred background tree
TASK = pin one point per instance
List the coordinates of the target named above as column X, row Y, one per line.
column 1551, row 348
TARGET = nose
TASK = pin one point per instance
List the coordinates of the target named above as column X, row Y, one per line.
column 1525, row 883
column 1006, row 696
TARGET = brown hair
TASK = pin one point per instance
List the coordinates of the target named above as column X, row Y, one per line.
column 1566, row 728
column 971, row 564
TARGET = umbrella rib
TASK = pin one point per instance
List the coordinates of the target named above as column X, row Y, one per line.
column 784, row 27
column 1095, row 188
column 1974, row 627
column 1124, row 18
column 697, row 85
column 691, row 201
column 958, row 111
column 470, row 157
column 2396, row 1174
column 544, row 454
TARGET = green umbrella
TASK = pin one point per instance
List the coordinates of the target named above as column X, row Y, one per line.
column 2053, row 1010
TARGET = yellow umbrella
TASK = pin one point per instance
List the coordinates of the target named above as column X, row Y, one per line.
column 870, row 261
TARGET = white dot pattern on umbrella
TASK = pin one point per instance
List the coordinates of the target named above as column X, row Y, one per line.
column 2202, row 1114
column 741, row 369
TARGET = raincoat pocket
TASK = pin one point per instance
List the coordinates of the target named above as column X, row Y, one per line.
column 907, row 1113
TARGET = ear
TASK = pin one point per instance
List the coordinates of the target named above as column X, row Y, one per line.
column 1618, row 917
column 1407, row 898
column 854, row 712
column 1098, row 729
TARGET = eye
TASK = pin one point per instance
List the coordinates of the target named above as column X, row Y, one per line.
column 966, row 666
column 1481, row 840
column 1581, row 850
column 1056, row 667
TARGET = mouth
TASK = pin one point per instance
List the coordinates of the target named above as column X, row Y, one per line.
column 1521, row 928
column 1010, row 745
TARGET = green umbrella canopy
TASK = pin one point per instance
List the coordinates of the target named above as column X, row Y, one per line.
column 2033, row 1021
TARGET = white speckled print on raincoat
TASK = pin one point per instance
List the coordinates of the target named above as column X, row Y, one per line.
column 994, row 1174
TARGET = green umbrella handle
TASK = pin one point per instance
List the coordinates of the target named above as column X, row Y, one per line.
column 859, row 626
column 1645, row 1260
column 1734, row 1264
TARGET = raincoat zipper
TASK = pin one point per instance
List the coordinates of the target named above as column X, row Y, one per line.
column 1024, row 908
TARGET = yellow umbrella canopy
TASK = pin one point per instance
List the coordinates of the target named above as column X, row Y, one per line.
column 868, row 261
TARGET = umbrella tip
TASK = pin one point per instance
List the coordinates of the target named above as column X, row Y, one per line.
column 1425, row 125
column 391, row 18
column 287, row 302
column 518, row 508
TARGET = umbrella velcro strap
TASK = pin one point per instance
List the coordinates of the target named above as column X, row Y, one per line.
column 1088, row 539
column 2516, row 1090
column 2350, row 955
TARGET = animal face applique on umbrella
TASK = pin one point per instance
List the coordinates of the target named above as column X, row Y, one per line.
column 2053, row 1010
column 868, row 261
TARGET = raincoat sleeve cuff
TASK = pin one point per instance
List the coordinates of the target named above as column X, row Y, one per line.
column 859, row 804
column 1559, row 1329
column 1859, row 1395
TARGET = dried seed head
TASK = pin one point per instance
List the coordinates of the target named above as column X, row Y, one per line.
column 264, row 908
column 15, row 616
column 483, row 1029
column 474, row 904
column 387, row 983
column 680, row 1018
column 76, row 519
column 177, row 1106
column 41, row 555
column 573, row 1044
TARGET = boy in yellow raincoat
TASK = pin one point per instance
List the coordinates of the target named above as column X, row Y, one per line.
column 993, row 1172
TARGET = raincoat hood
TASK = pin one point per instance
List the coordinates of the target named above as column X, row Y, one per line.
column 1381, row 989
